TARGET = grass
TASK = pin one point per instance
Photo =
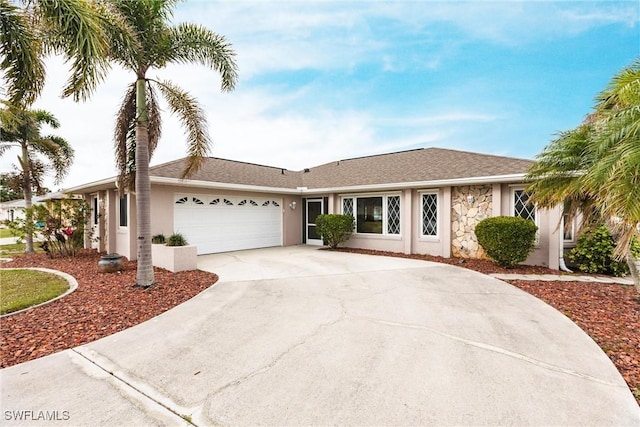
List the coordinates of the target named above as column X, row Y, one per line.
column 8, row 251
column 5, row 232
column 24, row 288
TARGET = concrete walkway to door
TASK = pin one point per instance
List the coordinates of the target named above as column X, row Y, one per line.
column 300, row 336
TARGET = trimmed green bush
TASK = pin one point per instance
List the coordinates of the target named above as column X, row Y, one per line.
column 508, row 240
column 594, row 253
column 176, row 239
column 158, row 238
column 334, row 228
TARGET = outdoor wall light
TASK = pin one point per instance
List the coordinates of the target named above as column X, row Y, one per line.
column 470, row 199
column 292, row 205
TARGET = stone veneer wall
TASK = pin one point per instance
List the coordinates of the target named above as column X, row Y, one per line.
column 465, row 216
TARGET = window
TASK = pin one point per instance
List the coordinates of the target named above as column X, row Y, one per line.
column 393, row 214
column 522, row 207
column 347, row 206
column 96, row 213
column 374, row 214
column 124, row 213
column 430, row 214
column 568, row 229
column 369, row 215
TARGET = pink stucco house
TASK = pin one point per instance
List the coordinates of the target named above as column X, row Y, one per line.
column 424, row 201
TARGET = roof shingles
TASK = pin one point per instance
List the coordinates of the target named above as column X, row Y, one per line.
column 420, row 165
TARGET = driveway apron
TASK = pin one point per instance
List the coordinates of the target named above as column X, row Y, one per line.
column 301, row 336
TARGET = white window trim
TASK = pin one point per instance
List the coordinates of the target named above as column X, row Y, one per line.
column 426, row 237
column 536, row 213
column 385, row 213
column 512, row 205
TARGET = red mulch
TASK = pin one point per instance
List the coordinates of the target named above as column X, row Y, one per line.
column 482, row 265
column 103, row 304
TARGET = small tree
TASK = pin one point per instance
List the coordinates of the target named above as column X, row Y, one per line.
column 334, row 228
column 508, row 240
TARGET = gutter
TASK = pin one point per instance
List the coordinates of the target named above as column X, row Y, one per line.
column 497, row 179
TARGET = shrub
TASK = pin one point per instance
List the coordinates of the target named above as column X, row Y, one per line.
column 60, row 225
column 176, row 239
column 508, row 240
column 334, row 228
column 158, row 238
column 594, row 253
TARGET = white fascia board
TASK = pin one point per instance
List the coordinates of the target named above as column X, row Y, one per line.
column 222, row 185
column 110, row 183
column 422, row 184
column 91, row 187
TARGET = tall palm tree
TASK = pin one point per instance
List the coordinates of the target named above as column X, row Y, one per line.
column 80, row 30
column 22, row 128
column 138, row 125
column 595, row 168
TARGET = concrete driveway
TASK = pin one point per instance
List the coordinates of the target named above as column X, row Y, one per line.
column 300, row 336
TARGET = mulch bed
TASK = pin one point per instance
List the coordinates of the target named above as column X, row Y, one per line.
column 103, row 304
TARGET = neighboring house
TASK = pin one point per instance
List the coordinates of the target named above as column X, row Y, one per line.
column 14, row 209
column 424, row 201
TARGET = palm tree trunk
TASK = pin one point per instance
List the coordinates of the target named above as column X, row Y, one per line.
column 28, row 202
column 145, row 276
column 634, row 268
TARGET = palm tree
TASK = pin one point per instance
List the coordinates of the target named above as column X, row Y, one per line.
column 79, row 30
column 595, row 168
column 138, row 124
column 22, row 128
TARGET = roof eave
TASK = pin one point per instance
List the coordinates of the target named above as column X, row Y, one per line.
column 222, row 185
column 91, row 187
column 497, row 179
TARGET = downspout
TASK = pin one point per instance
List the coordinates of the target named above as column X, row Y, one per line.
column 561, row 265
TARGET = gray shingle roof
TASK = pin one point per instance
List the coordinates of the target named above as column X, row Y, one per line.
column 420, row 165
column 231, row 172
column 425, row 164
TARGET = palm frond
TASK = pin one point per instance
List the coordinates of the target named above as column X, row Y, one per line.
column 194, row 43
column 123, row 37
column 194, row 121
column 21, row 53
column 59, row 153
column 43, row 116
column 124, row 139
column 154, row 118
column 75, row 30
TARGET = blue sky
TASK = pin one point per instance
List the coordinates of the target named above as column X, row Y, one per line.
column 321, row 81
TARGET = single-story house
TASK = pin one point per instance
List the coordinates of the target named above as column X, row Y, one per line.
column 424, row 201
column 14, row 210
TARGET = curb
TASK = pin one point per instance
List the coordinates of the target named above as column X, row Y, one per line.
column 73, row 285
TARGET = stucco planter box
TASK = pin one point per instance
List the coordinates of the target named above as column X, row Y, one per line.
column 175, row 258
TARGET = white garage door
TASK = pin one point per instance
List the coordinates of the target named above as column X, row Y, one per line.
column 224, row 223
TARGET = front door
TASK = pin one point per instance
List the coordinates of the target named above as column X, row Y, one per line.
column 314, row 208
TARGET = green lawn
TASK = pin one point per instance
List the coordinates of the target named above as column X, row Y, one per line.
column 8, row 251
column 24, row 288
column 5, row 232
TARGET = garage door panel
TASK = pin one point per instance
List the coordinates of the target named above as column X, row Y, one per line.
column 229, row 224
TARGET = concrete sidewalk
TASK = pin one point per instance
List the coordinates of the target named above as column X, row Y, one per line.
column 297, row 336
